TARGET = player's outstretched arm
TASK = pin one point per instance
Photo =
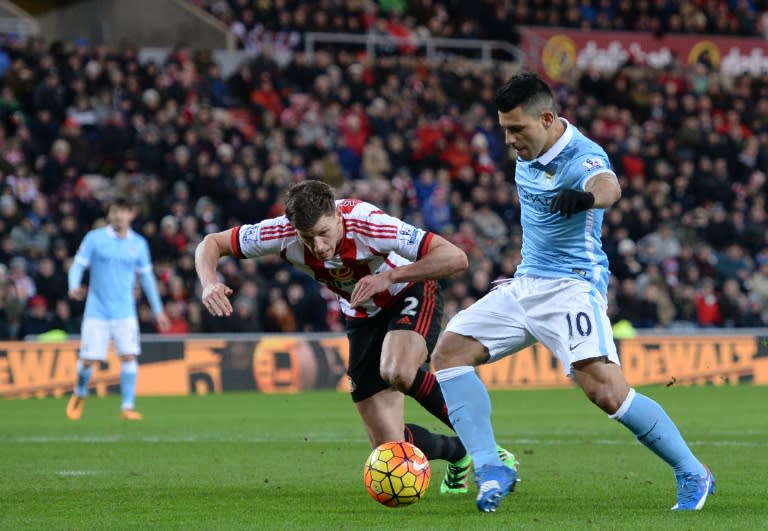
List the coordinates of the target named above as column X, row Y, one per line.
column 601, row 191
column 441, row 260
column 149, row 285
column 605, row 188
column 76, row 291
column 207, row 253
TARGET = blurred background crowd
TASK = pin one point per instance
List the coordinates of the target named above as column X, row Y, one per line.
column 286, row 20
column 199, row 152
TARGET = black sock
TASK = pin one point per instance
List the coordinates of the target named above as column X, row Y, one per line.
column 427, row 392
column 433, row 445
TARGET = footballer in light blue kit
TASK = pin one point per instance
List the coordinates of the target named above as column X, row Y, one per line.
column 115, row 254
column 557, row 297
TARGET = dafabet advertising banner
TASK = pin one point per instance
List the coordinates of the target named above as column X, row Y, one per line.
column 561, row 52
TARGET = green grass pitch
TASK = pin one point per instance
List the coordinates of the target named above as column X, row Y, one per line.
column 256, row 461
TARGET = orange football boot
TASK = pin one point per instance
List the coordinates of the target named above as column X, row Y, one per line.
column 131, row 414
column 75, row 407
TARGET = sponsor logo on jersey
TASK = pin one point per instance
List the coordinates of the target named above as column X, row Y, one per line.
column 342, row 273
column 343, row 285
column 251, row 233
column 409, row 235
column 539, row 202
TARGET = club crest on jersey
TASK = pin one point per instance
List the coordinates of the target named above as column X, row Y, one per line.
column 592, row 164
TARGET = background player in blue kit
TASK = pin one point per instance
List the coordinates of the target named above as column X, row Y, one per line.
column 114, row 254
column 558, row 297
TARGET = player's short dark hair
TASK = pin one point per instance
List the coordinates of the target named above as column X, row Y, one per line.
column 121, row 202
column 306, row 202
column 526, row 90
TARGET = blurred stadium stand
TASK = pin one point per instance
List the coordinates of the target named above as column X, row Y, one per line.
column 17, row 23
column 204, row 133
column 141, row 22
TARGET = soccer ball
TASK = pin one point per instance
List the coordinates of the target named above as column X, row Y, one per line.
column 396, row 474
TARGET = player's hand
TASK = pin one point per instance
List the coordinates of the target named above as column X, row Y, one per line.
column 369, row 286
column 216, row 299
column 163, row 322
column 568, row 202
column 78, row 294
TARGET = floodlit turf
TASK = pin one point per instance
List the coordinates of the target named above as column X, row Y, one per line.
column 253, row 461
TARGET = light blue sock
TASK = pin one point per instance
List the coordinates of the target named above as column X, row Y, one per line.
column 653, row 427
column 83, row 377
column 128, row 371
column 469, row 410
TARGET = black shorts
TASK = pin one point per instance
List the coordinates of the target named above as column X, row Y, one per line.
column 420, row 308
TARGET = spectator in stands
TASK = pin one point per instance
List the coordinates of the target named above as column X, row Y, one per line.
column 658, row 246
column 36, row 319
column 707, row 304
column 178, row 322
column 63, row 319
column 51, row 283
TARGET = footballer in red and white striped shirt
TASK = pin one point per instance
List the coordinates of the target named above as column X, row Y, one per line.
column 384, row 272
column 360, row 240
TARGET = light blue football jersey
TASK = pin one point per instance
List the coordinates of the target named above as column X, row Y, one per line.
column 555, row 246
column 114, row 263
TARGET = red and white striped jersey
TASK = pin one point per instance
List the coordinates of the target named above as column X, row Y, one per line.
column 372, row 242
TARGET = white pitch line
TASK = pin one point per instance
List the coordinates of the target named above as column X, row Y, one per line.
column 76, row 473
column 325, row 438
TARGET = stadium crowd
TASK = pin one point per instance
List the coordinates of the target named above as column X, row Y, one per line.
column 198, row 153
column 282, row 23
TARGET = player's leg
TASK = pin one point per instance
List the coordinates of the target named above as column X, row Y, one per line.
column 125, row 333
column 414, row 325
column 382, row 415
column 403, row 354
column 604, row 384
column 380, row 406
column 489, row 329
column 570, row 318
column 94, row 341
column 469, row 405
column 469, row 408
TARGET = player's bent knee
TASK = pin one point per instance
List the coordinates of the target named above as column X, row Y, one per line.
column 607, row 398
column 398, row 377
column 454, row 350
column 441, row 361
column 446, row 359
column 385, row 431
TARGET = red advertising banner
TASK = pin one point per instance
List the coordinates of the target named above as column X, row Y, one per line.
column 559, row 51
